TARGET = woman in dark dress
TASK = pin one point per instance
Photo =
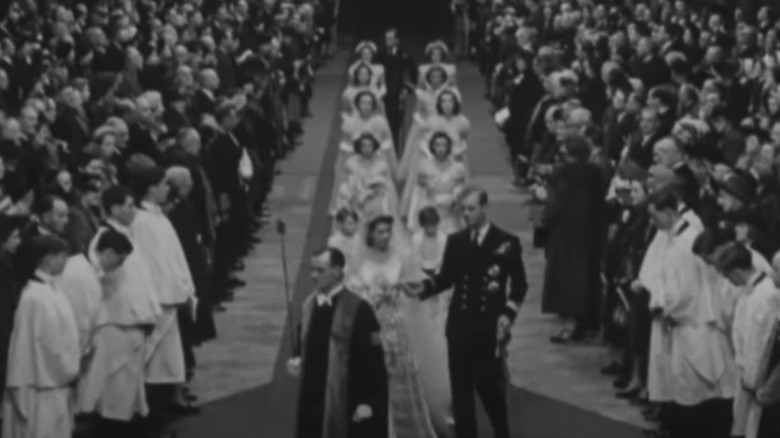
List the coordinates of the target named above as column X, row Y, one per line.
column 573, row 215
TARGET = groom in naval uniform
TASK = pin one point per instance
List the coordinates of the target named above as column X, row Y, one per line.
column 484, row 265
column 343, row 392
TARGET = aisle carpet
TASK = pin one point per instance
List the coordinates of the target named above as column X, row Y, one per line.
column 269, row 411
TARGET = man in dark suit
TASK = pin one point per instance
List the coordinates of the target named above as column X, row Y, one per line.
column 640, row 145
column 668, row 152
column 648, row 66
column 400, row 70
column 526, row 92
column 484, row 264
column 223, row 158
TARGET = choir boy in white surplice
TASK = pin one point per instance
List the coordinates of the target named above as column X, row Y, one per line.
column 755, row 315
column 44, row 355
column 81, row 284
column 155, row 238
column 113, row 383
column 691, row 370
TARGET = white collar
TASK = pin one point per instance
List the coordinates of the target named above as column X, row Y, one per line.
column 481, row 232
column 99, row 272
column 151, row 207
column 119, row 227
column 756, row 278
column 44, row 277
column 327, row 298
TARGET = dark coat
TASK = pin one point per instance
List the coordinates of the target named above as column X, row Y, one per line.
column 640, row 150
column 526, row 93
column 616, row 128
column 652, row 71
column 574, row 212
column 81, row 228
column 481, row 276
column 10, row 290
column 187, row 224
column 73, row 128
column 399, row 69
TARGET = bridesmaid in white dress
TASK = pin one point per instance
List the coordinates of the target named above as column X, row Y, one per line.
column 367, row 185
column 437, row 183
column 361, row 79
column 448, row 118
column 367, row 118
column 383, row 263
column 438, row 54
column 366, row 51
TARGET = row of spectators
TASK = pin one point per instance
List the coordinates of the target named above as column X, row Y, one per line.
column 184, row 106
column 649, row 134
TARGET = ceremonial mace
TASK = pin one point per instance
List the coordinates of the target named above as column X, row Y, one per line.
column 281, row 229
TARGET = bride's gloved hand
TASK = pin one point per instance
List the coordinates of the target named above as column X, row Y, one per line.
column 413, row 289
column 362, row 413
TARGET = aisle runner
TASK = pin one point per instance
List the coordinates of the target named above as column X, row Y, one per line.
column 268, row 411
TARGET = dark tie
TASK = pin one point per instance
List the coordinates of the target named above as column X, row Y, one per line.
column 475, row 237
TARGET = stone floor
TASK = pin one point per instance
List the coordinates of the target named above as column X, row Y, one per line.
column 250, row 331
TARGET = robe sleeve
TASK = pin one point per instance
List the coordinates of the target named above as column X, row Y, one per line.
column 42, row 354
column 763, row 324
column 445, row 278
column 84, row 297
column 368, row 375
column 683, row 288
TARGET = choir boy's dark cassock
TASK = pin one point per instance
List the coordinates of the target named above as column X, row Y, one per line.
column 342, row 367
column 481, row 266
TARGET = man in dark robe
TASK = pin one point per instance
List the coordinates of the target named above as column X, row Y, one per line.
column 340, row 361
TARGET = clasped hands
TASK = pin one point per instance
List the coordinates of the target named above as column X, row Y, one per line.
column 413, row 289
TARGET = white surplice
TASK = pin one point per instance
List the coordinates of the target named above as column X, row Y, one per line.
column 81, row 284
column 757, row 309
column 156, row 239
column 113, row 385
column 43, row 362
column 692, row 361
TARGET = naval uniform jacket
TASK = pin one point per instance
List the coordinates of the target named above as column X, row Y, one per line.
column 485, row 278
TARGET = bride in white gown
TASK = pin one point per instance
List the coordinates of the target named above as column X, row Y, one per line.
column 383, row 261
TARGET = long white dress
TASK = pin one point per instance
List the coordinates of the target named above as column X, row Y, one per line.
column 428, row 322
column 457, row 127
column 367, row 187
column 43, row 362
column 377, row 277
